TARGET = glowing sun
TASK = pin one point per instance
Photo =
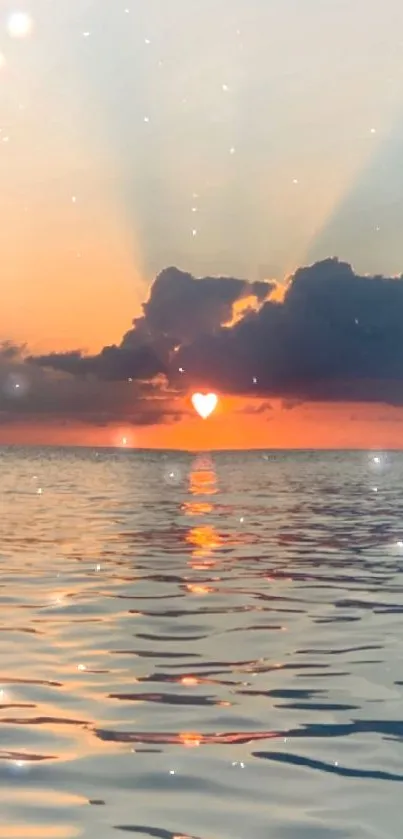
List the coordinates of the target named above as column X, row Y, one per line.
column 204, row 403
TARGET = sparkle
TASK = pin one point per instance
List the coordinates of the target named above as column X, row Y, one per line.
column 146, row 119
column 73, row 199
column 58, row 601
column 181, row 370
column 98, row 567
column 5, row 139
column 147, row 41
column 295, row 180
column 19, row 25
column 81, row 667
column 254, row 380
column 225, row 88
column 172, row 771
column 377, row 459
column 232, row 150
column 373, row 130
column 39, row 491
column 374, row 489
column 242, row 520
column 172, row 475
column 194, row 209
column 194, row 232
column 124, row 441
column 86, row 34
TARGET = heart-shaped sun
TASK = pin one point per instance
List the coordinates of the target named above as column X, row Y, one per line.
column 204, row 403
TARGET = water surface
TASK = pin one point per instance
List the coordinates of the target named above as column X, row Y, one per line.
column 199, row 647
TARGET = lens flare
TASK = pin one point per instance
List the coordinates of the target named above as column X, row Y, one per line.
column 19, row 25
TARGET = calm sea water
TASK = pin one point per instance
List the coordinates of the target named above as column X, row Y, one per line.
column 205, row 647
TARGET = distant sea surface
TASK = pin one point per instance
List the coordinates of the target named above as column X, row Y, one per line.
column 201, row 647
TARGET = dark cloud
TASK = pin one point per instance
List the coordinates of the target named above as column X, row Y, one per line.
column 30, row 392
column 179, row 310
column 182, row 307
column 335, row 336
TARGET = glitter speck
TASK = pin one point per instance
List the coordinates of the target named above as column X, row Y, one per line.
column 194, row 232
column 146, row 119
column 81, row 667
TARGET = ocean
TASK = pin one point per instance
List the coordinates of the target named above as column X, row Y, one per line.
column 201, row 646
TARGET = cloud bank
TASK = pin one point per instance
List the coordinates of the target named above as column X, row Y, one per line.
column 334, row 336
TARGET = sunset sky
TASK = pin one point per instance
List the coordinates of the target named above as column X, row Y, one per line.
column 238, row 139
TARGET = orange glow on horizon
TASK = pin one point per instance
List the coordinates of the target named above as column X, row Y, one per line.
column 237, row 423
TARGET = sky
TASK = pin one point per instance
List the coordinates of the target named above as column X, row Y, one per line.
column 243, row 139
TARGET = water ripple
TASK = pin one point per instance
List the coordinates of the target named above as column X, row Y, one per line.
column 153, row 636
